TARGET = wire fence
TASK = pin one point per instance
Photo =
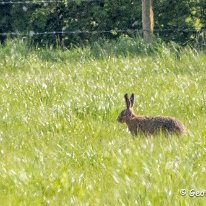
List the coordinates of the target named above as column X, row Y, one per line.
column 115, row 31
column 32, row 33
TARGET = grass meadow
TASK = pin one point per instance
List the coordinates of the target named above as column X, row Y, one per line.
column 60, row 143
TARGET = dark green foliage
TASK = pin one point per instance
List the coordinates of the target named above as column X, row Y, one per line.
column 182, row 20
column 176, row 20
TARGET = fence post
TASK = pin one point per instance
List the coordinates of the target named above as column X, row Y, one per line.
column 147, row 20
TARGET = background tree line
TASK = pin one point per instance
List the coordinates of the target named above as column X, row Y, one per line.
column 182, row 21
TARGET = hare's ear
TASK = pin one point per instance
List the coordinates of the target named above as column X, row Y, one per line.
column 132, row 100
column 127, row 101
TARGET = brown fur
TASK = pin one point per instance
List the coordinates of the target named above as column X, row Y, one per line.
column 148, row 125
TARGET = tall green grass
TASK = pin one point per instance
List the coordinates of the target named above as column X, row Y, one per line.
column 60, row 143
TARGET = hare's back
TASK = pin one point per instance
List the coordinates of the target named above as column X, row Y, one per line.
column 158, row 123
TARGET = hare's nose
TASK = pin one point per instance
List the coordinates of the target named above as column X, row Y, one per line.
column 119, row 119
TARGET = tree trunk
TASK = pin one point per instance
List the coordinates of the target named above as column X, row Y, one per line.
column 147, row 20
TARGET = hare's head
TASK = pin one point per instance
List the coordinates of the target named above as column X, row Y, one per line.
column 128, row 112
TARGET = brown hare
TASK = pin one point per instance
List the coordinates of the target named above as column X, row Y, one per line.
column 148, row 125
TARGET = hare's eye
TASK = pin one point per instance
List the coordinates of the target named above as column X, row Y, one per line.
column 128, row 113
